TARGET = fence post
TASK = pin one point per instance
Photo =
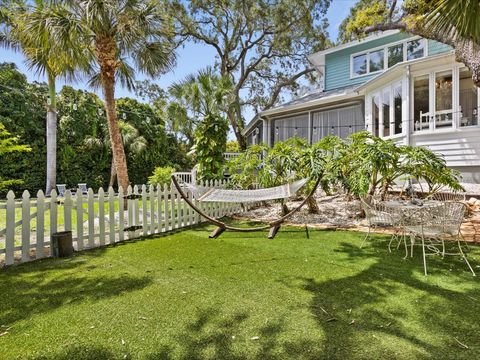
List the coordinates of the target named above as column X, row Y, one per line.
column 79, row 196
column 165, row 208
column 10, row 232
column 111, row 215
column 101, row 215
column 40, row 232
column 136, row 209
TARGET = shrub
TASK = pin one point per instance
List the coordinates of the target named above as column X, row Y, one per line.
column 161, row 176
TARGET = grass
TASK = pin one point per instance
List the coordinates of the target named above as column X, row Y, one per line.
column 184, row 296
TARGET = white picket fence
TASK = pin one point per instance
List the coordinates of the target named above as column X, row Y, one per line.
column 96, row 219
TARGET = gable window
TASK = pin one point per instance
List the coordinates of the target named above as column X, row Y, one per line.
column 360, row 64
column 376, row 61
column 415, row 49
column 395, row 54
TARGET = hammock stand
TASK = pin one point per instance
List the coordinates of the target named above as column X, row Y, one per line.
column 274, row 226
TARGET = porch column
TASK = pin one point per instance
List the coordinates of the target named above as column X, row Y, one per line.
column 406, row 121
column 266, row 131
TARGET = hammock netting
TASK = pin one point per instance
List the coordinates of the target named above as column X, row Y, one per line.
column 208, row 194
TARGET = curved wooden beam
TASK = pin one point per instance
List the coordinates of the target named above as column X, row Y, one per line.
column 224, row 226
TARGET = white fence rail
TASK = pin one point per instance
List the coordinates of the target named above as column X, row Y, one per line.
column 95, row 219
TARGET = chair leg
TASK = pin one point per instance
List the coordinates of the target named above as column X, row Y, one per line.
column 465, row 242
column 406, row 247
column 412, row 242
column 365, row 238
column 443, row 248
column 390, row 243
column 464, row 257
column 424, row 257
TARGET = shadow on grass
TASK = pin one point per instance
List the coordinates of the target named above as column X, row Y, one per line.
column 51, row 283
column 358, row 311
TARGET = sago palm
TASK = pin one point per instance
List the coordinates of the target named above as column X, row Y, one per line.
column 31, row 29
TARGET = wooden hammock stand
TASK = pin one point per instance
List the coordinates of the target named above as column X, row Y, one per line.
column 274, row 226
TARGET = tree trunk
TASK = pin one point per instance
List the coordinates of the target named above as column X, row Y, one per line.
column 312, row 205
column 232, row 117
column 113, row 174
column 51, row 127
column 118, row 151
column 285, row 209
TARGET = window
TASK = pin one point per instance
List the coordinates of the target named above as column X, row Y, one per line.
column 294, row 126
column 386, row 57
column 397, row 110
column 443, row 99
column 421, row 91
column 415, row 49
column 360, row 64
column 395, row 54
column 376, row 61
column 386, row 112
column 468, row 99
column 375, row 114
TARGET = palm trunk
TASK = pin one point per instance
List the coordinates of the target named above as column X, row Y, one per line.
column 51, row 127
column 113, row 174
column 118, row 151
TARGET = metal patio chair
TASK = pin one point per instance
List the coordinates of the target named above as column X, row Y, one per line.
column 61, row 188
column 378, row 216
column 435, row 226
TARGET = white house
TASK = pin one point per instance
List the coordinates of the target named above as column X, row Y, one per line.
column 395, row 85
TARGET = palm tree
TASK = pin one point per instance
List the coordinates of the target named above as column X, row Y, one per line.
column 202, row 94
column 123, row 35
column 456, row 16
column 31, row 30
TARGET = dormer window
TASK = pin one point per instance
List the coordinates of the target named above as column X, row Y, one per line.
column 380, row 59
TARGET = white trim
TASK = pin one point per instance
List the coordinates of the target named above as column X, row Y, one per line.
column 369, row 38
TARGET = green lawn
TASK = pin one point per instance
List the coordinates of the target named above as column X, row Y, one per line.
column 184, row 296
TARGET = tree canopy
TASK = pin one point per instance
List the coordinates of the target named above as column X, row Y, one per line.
column 261, row 45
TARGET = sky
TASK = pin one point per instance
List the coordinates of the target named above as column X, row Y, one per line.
column 190, row 58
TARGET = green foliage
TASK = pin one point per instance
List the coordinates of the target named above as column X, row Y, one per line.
column 358, row 165
column 161, row 176
column 83, row 148
column 9, row 144
column 233, row 146
column 210, row 144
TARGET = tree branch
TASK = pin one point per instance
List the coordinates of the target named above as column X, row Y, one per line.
column 286, row 82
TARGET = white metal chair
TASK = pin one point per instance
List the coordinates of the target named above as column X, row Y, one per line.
column 378, row 216
column 61, row 188
column 82, row 187
column 435, row 225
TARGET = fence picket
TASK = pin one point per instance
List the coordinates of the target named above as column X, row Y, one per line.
column 144, row 210
column 67, row 210
column 130, row 204
column 171, row 199
column 53, row 217
column 25, row 226
column 10, row 232
column 166, row 213
column 91, row 218
column 40, row 231
column 152, row 197
column 111, row 215
column 121, row 214
column 101, row 215
column 79, row 197
column 136, row 210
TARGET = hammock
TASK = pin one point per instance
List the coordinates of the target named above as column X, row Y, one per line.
column 207, row 194
column 202, row 193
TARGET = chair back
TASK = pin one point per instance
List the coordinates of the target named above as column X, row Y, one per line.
column 83, row 188
column 448, row 196
column 61, row 188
